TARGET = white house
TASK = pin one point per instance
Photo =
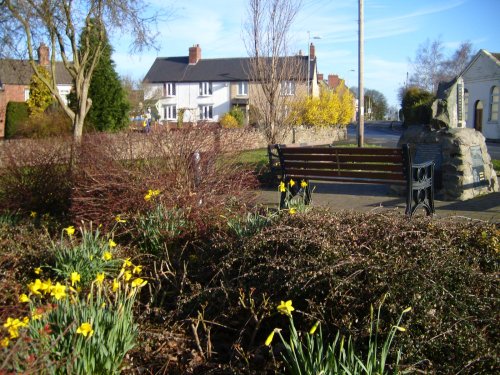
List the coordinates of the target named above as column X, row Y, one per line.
column 205, row 89
column 481, row 101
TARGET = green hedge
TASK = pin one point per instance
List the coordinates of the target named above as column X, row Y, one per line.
column 417, row 106
column 17, row 113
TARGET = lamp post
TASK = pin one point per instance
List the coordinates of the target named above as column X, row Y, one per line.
column 361, row 91
column 309, row 60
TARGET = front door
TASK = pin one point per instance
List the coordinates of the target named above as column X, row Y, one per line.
column 478, row 116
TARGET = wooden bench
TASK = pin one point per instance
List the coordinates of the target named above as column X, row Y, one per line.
column 391, row 166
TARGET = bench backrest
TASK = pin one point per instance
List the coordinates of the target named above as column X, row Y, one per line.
column 350, row 164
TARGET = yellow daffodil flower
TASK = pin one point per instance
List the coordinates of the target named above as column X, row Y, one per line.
column 400, row 329
column 269, row 339
column 99, row 278
column 38, row 270
column 285, row 308
column 75, row 277
column 111, row 243
column 4, row 342
column 408, row 309
column 127, row 263
column 314, row 328
column 282, row 187
column 137, row 283
column 147, row 197
column 23, row 298
column 118, row 219
column 292, row 211
column 303, row 184
column 137, row 269
column 58, row 291
column 127, row 275
column 35, row 286
column 35, row 315
column 33, row 214
column 70, row 230
column 107, row 255
column 46, row 286
column 292, row 182
column 85, row 329
column 116, row 285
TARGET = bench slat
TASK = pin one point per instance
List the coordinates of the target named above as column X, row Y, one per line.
column 344, row 166
column 341, row 150
column 349, row 179
column 345, row 158
column 306, row 174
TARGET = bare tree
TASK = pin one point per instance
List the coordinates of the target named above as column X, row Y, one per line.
column 431, row 66
column 274, row 73
column 61, row 24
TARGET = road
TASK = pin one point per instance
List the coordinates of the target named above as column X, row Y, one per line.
column 382, row 134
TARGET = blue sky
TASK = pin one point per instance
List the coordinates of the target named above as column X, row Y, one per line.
column 393, row 31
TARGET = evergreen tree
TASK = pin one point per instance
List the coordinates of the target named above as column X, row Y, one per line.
column 40, row 95
column 109, row 110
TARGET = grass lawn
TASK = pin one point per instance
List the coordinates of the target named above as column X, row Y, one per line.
column 496, row 165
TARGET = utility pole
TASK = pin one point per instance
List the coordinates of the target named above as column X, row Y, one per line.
column 361, row 91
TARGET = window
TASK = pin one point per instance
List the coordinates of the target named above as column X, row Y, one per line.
column 169, row 89
column 494, row 101
column 206, row 112
column 205, row 88
column 169, row 112
column 242, row 88
column 288, row 88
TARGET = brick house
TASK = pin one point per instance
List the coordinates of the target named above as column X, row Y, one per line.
column 15, row 77
column 205, row 89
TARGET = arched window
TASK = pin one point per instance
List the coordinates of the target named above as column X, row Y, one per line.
column 494, row 104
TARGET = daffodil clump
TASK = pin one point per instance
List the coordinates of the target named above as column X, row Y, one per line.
column 295, row 195
column 151, row 194
column 306, row 354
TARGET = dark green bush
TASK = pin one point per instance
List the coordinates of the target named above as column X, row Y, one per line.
column 16, row 115
column 335, row 265
column 238, row 114
column 417, row 106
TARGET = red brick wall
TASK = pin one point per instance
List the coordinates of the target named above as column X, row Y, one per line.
column 11, row 93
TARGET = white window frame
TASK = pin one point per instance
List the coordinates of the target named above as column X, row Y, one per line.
column 494, row 104
column 243, row 88
column 170, row 112
column 206, row 112
column 169, row 89
column 205, row 88
column 288, row 88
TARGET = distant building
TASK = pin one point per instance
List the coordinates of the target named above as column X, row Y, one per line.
column 205, row 89
column 481, row 94
column 15, row 77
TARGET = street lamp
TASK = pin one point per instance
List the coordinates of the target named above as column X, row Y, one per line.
column 309, row 60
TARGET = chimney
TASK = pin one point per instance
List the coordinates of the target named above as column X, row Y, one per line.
column 194, row 54
column 312, row 52
column 320, row 77
column 333, row 81
column 43, row 55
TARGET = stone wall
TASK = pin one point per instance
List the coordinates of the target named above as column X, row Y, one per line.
column 466, row 168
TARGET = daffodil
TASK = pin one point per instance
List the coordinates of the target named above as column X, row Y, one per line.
column 23, row 298
column 127, row 275
column 137, row 269
column 116, row 285
column 118, row 219
column 111, row 243
column 107, row 255
column 292, row 211
column 147, row 197
column 46, row 286
column 292, row 182
column 58, row 291
column 285, row 308
column 99, row 278
column 37, row 270
column 137, row 283
column 33, row 214
column 127, row 263
column 85, row 329
column 4, row 342
column 36, row 315
column 408, row 309
column 35, row 286
column 269, row 339
column 303, row 184
column 70, row 230
column 282, row 187
column 314, row 328
column 400, row 329
column 75, row 277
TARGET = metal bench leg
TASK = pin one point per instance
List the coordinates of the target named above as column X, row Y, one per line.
column 421, row 189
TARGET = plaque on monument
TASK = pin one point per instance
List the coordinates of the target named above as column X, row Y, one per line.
column 431, row 151
column 478, row 176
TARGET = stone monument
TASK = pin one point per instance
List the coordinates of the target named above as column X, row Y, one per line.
column 463, row 166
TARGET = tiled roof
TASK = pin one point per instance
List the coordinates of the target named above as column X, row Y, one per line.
column 177, row 69
column 19, row 72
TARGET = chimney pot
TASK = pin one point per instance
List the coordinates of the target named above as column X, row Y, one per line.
column 43, row 55
column 312, row 51
column 194, row 54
